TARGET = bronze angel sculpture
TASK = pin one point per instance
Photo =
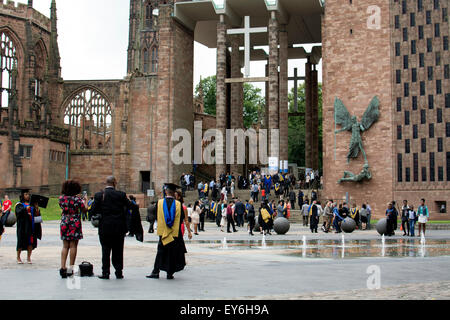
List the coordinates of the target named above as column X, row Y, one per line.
column 350, row 123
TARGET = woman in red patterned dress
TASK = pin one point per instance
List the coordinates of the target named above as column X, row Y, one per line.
column 71, row 232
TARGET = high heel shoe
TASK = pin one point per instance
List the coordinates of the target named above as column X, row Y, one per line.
column 63, row 273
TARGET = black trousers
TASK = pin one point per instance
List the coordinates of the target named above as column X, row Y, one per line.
column 251, row 223
column 405, row 226
column 112, row 249
column 201, row 226
column 230, row 222
column 293, row 204
column 240, row 220
column 151, row 229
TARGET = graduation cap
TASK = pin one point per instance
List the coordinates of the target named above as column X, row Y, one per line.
column 40, row 200
column 24, row 190
column 172, row 187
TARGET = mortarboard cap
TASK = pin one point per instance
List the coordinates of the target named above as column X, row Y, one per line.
column 40, row 200
column 24, row 190
column 172, row 186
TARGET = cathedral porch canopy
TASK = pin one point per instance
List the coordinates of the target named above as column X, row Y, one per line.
column 301, row 18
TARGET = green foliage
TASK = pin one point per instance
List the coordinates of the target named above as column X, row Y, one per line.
column 209, row 94
column 297, row 129
column 254, row 102
column 254, row 105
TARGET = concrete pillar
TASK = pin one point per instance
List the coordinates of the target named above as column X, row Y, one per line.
column 237, row 100
column 315, row 119
column 221, row 95
column 273, row 122
column 266, row 114
column 308, row 116
column 283, row 94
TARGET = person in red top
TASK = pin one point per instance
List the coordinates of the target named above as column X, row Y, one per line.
column 6, row 209
column 7, row 204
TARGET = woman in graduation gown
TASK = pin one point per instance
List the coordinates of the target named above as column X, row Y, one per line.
column 27, row 230
column 171, row 252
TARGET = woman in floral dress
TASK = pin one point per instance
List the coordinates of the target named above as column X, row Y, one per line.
column 71, row 231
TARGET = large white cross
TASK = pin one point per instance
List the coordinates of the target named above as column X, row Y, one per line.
column 246, row 31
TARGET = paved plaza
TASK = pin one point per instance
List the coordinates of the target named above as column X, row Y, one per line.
column 213, row 272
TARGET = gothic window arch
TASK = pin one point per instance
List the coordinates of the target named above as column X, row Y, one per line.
column 40, row 57
column 154, row 59
column 148, row 15
column 146, row 60
column 37, row 85
column 8, row 61
column 150, row 54
column 89, row 117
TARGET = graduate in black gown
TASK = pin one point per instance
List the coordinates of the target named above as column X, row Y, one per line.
column 28, row 232
column 171, row 252
column 314, row 218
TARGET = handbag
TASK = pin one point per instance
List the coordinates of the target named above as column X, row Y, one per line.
column 86, row 269
column 38, row 219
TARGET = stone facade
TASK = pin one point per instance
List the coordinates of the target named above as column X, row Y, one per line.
column 29, row 130
column 356, row 70
column 132, row 141
column 421, row 58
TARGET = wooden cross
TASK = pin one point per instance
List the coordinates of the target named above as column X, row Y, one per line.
column 246, row 31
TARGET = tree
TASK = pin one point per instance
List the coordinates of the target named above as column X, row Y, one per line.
column 209, row 94
column 254, row 102
column 297, row 128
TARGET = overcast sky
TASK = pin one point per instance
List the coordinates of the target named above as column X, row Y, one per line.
column 93, row 41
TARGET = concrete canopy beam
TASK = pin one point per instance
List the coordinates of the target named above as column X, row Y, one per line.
column 282, row 14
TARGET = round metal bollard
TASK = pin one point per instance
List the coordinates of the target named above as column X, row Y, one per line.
column 382, row 226
column 348, row 225
column 281, row 225
column 11, row 220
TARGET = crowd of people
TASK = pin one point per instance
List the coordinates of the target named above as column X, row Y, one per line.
column 115, row 214
column 118, row 214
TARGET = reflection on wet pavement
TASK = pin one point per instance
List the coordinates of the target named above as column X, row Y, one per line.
column 335, row 250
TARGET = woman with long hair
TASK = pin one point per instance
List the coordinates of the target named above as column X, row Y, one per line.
column 73, row 206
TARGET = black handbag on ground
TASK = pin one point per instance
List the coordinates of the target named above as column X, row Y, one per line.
column 86, row 269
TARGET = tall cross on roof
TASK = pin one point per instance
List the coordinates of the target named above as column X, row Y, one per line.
column 246, row 31
column 296, row 78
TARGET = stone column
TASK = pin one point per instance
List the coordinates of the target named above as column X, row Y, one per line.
column 237, row 100
column 221, row 96
column 163, row 119
column 273, row 121
column 283, row 97
column 315, row 119
column 266, row 113
column 308, row 115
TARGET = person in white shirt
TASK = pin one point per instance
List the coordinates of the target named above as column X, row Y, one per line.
column 189, row 212
column 224, row 194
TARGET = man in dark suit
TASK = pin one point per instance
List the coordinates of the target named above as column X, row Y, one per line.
column 112, row 205
column 239, row 210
